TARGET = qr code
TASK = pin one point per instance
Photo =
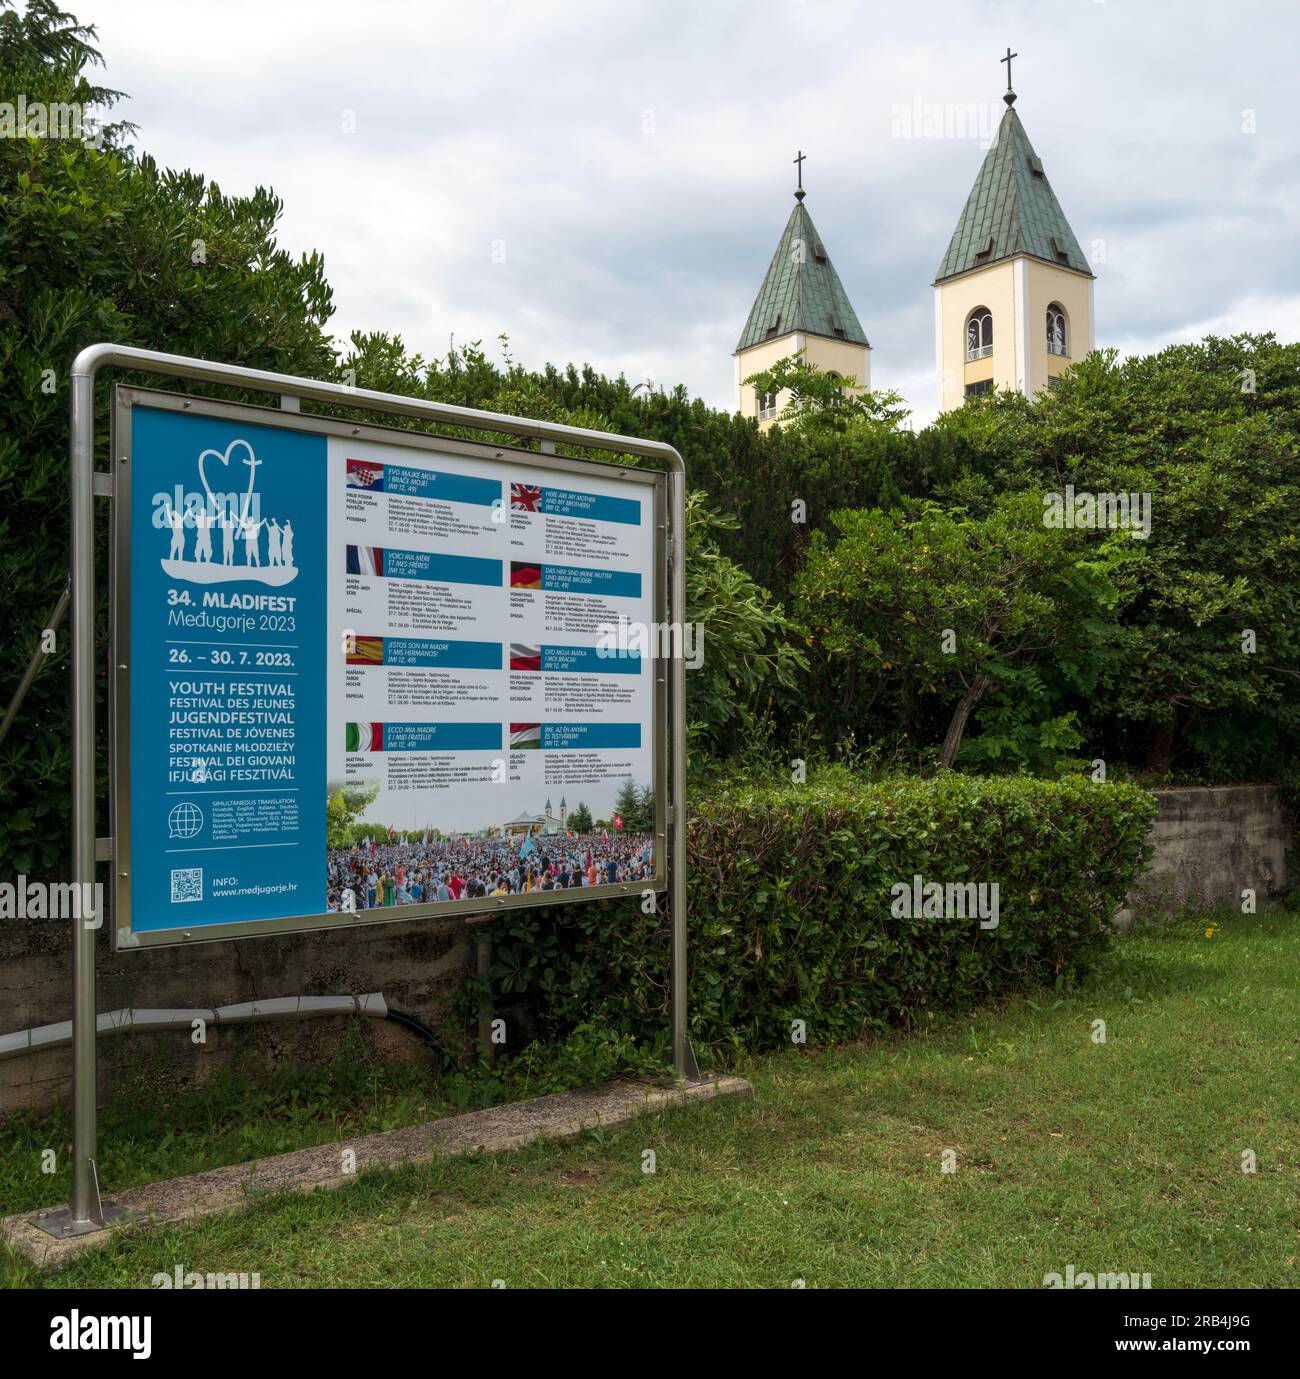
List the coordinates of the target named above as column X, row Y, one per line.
column 187, row 884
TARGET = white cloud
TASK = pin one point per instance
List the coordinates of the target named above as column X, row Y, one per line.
column 634, row 159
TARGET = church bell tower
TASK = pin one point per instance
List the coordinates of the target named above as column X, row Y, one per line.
column 1013, row 301
column 802, row 305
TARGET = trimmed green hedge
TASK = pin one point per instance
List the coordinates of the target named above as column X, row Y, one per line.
column 793, row 915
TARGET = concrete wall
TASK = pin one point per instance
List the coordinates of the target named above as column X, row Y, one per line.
column 418, row 966
column 1211, row 844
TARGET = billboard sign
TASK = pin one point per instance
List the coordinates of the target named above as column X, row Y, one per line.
column 365, row 674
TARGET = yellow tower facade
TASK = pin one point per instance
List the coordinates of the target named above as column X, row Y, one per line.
column 1013, row 298
column 802, row 305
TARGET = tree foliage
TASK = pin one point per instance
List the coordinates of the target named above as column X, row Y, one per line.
column 99, row 243
column 916, row 618
column 1211, row 432
column 826, row 402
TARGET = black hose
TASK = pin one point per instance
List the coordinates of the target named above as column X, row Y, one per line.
column 400, row 1017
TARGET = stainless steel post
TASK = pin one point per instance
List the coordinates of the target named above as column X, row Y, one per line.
column 683, row 1058
column 85, row 1205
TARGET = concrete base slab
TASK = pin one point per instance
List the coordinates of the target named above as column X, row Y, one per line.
column 564, row 1115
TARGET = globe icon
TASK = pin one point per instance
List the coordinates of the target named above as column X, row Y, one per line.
column 184, row 821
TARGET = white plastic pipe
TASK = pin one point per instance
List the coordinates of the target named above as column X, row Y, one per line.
column 142, row 1021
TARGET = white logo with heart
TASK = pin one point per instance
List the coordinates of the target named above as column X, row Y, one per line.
column 252, row 462
column 214, row 520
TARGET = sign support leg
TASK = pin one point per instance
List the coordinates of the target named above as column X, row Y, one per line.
column 684, row 1065
column 85, row 1211
column 85, row 1205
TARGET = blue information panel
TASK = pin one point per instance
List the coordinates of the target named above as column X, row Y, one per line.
column 227, row 671
column 366, row 679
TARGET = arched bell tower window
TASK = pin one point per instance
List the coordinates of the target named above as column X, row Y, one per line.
column 979, row 333
column 1057, row 339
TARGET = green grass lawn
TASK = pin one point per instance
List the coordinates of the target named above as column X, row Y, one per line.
column 1117, row 1156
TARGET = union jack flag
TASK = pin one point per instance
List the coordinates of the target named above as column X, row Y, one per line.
column 526, row 497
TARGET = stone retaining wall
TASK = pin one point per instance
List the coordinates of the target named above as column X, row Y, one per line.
column 1211, row 844
column 418, row 966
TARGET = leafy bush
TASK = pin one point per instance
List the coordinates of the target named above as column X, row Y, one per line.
column 792, row 913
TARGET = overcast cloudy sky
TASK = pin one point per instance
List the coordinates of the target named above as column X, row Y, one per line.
column 606, row 180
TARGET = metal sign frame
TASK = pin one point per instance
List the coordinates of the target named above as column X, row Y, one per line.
column 125, row 400
column 86, row 1212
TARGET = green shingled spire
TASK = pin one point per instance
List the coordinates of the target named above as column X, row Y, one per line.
column 1011, row 210
column 801, row 292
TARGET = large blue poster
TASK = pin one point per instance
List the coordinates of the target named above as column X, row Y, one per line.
column 227, row 671
column 367, row 678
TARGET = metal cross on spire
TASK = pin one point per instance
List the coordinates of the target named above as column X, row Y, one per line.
column 1010, row 97
column 798, row 159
